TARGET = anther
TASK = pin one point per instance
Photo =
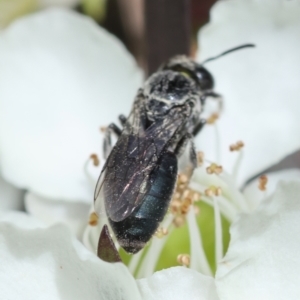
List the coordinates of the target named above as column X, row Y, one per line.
column 103, row 129
column 214, row 169
column 213, row 118
column 175, row 206
column 262, row 182
column 200, row 158
column 179, row 221
column 183, row 259
column 161, row 232
column 196, row 197
column 93, row 220
column 182, row 178
column 95, row 159
column 213, row 191
column 237, row 146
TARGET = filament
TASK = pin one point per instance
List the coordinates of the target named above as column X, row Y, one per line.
column 218, row 232
column 198, row 258
column 150, row 260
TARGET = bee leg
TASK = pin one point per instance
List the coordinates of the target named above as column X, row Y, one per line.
column 122, row 120
column 199, row 126
column 193, row 154
column 215, row 96
column 192, row 150
column 107, row 144
column 181, row 146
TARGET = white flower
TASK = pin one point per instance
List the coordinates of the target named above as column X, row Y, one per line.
column 261, row 263
column 260, row 85
column 62, row 78
column 54, row 67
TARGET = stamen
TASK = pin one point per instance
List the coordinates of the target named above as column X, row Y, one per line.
column 87, row 172
column 214, row 169
column 233, row 194
column 218, row 146
column 200, row 158
column 218, row 232
column 103, row 129
column 198, row 258
column 150, row 259
column 183, row 259
column 135, row 259
column 95, row 159
column 237, row 146
column 213, row 191
column 212, row 118
column 93, row 220
column 227, row 208
column 196, row 210
column 262, row 182
column 161, row 232
column 237, row 164
column 179, row 221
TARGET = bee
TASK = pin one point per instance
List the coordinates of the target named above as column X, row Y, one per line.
column 140, row 172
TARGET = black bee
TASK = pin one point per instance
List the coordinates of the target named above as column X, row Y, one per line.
column 139, row 175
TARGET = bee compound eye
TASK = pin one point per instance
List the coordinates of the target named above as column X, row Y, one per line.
column 205, row 79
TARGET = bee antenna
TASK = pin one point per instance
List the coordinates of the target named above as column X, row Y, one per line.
column 228, row 51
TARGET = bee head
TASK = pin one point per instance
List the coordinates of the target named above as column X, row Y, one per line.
column 195, row 71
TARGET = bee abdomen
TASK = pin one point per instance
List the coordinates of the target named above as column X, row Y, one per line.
column 136, row 230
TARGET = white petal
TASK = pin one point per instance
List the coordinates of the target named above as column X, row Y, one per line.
column 262, row 261
column 260, row 85
column 255, row 195
column 10, row 196
column 51, row 263
column 62, row 77
column 178, row 283
column 50, row 211
column 20, row 220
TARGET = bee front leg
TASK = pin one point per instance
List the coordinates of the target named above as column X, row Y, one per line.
column 215, row 97
column 122, row 120
column 107, row 144
column 199, row 127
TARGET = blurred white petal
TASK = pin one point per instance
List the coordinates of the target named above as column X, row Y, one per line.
column 50, row 211
column 51, row 263
column 11, row 198
column 20, row 219
column 178, row 283
column 260, row 85
column 262, row 261
column 62, row 77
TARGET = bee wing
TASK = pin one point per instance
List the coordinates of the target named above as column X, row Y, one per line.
column 129, row 167
column 132, row 127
